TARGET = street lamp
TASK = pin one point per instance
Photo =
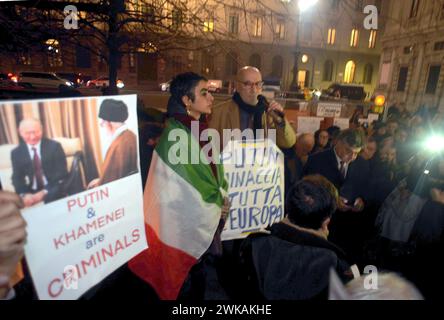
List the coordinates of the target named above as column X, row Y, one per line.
column 303, row 6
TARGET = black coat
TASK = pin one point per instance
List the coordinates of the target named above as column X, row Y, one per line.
column 53, row 165
column 326, row 164
column 290, row 264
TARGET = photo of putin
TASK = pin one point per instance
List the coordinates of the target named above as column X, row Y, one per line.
column 38, row 165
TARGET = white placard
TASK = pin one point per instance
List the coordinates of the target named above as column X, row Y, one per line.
column 78, row 236
column 255, row 174
column 343, row 123
column 329, row 110
column 308, row 124
column 372, row 117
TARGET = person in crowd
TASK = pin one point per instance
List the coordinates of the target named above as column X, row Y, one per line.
column 304, row 144
column 248, row 109
column 333, row 133
column 149, row 135
column 189, row 104
column 392, row 125
column 321, row 141
column 292, row 261
column 121, row 156
column 358, row 113
column 410, row 226
column 38, row 165
column 12, row 240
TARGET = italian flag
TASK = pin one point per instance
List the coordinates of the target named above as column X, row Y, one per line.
column 182, row 209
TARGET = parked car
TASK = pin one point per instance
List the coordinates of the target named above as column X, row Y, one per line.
column 43, row 80
column 77, row 78
column 344, row 91
column 103, row 82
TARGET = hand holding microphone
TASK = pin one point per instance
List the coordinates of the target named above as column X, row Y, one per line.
column 274, row 109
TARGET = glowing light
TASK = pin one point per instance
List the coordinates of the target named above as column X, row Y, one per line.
column 379, row 100
column 304, row 5
column 435, row 143
column 304, row 58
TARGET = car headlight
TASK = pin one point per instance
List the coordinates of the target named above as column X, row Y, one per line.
column 69, row 83
column 120, row 84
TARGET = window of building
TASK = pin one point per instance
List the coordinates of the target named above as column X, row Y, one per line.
column 257, row 26
column 233, row 24
column 328, row 71
column 209, row 23
column 308, row 27
column 432, row 81
column 279, row 30
column 402, row 79
column 349, row 74
column 439, row 46
column 414, row 8
column 255, row 61
column 83, row 57
column 132, row 61
column 442, row 12
column 54, row 53
column 277, row 66
column 408, row 50
column 231, row 64
column 176, row 19
column 372, row 39
column 148, row 13
column 331, row 36
column 354, row 38
column 358, row 5
column 207, row 62
column 334, row 4
column 24, row 58
column 177, row 64
column 385, row 72
column 368, row 74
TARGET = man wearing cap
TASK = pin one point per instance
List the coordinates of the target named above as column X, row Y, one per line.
column 121, row 156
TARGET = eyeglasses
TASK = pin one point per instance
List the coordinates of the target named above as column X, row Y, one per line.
column 251, row 85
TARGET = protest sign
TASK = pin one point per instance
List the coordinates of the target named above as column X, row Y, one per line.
column 83, row 200
column 309, row 124
column 255, row 174
column 343, row 123
column 372, row 117
column 329, row 110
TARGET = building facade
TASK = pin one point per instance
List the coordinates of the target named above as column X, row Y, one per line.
column 329, row 40
column 411, row 68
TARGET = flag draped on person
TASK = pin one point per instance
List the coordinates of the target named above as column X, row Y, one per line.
column 182, row 209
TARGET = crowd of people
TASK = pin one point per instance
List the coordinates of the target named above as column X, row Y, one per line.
column 364, row 196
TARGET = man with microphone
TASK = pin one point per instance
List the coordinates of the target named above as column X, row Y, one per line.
column 248, row 109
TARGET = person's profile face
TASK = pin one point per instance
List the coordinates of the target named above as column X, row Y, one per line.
column 31, row 133
column 323, row 138
column 249, row 86
column 203, row 99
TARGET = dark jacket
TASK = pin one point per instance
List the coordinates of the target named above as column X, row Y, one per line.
column 326, row 164
column 290, row 264
column 54, row 167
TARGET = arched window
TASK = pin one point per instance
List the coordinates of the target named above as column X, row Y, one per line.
column 255, row 61
column 277, row 66
column 349, row 74
column 368, row 74
column 231, row 64
column 328, row 71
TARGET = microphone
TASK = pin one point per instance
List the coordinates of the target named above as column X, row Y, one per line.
column 278, row 116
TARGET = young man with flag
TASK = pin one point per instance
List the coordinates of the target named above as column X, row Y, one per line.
column 185, row 203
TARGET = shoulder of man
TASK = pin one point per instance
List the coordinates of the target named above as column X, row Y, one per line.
column 224, row 106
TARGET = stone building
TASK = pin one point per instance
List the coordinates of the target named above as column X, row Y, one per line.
column 411, row 68
column 332, row 44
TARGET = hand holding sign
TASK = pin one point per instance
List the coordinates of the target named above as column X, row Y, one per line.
column 12, row 236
